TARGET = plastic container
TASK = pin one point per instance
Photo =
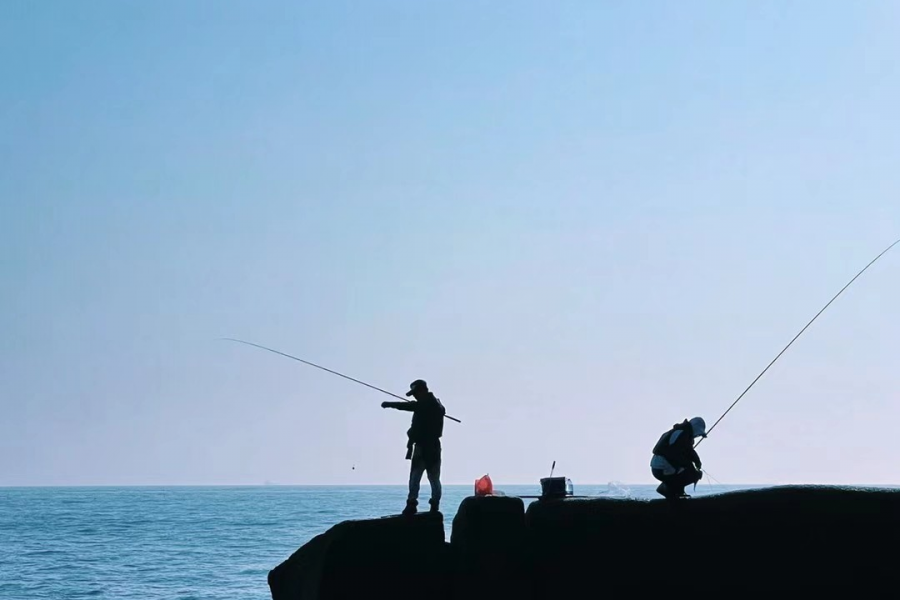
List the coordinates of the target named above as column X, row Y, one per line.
column 484, row 486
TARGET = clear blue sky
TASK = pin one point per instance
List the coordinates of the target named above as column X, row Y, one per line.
column 581, row 222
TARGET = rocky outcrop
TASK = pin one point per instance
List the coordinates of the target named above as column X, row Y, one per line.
column 796, row 537
column 489, row 544
column 793, row 538
column 403, row 558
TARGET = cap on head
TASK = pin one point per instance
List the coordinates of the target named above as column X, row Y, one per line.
column 699, row 427
column 418, row 385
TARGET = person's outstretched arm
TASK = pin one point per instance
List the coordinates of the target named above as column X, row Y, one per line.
column 407, row 406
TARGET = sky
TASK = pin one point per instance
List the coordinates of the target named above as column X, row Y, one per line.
column 580, row 222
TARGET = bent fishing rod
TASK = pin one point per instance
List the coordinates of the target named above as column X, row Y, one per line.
column 306, row 362
column 883, row 252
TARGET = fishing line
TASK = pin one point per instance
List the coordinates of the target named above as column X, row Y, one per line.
column 306, row 362
column 710, row 476
column 883, row 252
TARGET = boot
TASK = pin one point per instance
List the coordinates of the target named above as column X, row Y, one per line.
column 435, row 506
column 410, row 508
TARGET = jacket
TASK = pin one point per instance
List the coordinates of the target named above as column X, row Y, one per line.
column 676, row 447
column 427, row 425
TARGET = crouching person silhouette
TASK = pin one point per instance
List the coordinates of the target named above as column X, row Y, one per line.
column 675, row 463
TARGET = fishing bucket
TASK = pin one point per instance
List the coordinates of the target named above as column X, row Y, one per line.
column 555, row 487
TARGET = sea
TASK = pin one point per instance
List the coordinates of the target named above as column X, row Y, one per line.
column 194, row 543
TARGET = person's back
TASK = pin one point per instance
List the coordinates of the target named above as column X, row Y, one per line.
column 428, row 420
column 674, row 447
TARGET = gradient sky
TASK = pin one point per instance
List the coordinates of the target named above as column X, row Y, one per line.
column 581, row 222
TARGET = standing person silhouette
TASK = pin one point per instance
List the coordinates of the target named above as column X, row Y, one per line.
column 423, row 443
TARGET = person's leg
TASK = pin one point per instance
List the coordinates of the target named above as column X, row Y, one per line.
column 692, row 476
column 416, row 469
column 675, row 485
column 683, row 479
column 434, row 478
column 662, row 489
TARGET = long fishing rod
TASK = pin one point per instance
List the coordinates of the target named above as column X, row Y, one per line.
column 306, row 362
column 883, row 252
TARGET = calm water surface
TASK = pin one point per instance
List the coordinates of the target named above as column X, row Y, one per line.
column 188, row 542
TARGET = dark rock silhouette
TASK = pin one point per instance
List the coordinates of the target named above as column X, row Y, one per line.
column 797, row 537
column 489, row 544
column 774, row 540
column 398, row 557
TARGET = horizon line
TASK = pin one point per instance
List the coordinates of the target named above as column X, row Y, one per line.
column 403, row 485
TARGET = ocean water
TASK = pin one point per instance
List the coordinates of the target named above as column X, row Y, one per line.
column 191, row 543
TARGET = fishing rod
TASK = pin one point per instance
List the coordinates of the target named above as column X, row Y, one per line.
column 883, row 252
column 306, row 362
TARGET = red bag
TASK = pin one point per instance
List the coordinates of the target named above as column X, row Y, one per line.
column 484, row 486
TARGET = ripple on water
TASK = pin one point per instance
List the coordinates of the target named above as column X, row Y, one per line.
column 190, row 543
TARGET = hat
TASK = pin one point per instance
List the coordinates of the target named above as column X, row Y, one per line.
column 699, row 427
column 416, row 386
